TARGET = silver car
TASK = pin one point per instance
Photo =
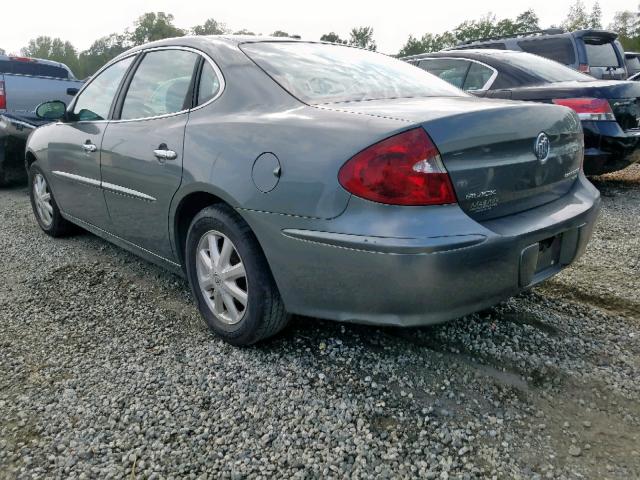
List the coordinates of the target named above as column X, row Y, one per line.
column 288, row 177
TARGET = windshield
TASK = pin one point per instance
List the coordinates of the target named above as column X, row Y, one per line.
column 318, row 73
column 545, row 70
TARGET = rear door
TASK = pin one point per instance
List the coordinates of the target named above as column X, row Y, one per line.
column 142, row 147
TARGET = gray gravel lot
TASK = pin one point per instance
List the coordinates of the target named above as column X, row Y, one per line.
column 106, row 371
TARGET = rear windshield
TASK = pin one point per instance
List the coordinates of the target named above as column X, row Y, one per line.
column 545, row 70
column 602, row 55
column 558, row 49
column 32, row 68
column 318, row 73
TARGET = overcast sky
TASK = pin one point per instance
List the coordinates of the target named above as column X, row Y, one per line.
column 81, row 22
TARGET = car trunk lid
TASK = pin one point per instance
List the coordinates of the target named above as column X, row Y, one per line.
column 623, row 96
column 488, row 148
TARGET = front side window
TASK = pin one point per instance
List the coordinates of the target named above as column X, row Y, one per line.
column 559, row 49
column 95, row 101
column 209, row 84
column 477, row 77
column 318, row 73
column 449, row 70
column 160, row 84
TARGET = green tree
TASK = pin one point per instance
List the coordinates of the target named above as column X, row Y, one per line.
column 101, row 51
column 52, row 49
column 362, row 37
column 210, row 27
column 428, row 43
column 244, row 31
column 625, row 24
column 154, row 26
column 331, row 37
column 595, row 19
column 280, row 33
column 528, row 21
column 577, row 18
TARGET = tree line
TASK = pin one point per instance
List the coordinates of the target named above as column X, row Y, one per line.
column 158, row 25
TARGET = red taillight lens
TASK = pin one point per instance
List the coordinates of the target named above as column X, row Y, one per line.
column 405, row 169
column 588, row 108
column 3, row 96
column 584, row 68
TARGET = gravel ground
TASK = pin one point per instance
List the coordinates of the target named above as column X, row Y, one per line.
column 106, row 371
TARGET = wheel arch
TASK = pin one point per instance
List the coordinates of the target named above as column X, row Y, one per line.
column 185, row 206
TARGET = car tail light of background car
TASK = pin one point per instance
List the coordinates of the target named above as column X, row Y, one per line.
column 405, row 169
column 588, row 108
column 3, row 96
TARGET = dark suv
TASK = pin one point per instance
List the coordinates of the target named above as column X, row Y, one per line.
column 596, row 52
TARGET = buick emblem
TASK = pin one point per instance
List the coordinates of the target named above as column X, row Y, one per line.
column 541, row 147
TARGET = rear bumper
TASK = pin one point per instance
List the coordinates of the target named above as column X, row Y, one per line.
column 409, row 266
column 608, row 148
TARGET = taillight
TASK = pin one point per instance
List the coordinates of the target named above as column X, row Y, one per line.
column 584, row 68
column 588, row 108
column 3, row 96
column 405, row 169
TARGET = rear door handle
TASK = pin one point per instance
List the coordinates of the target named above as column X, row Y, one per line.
column 163, row 153
column 89, row 147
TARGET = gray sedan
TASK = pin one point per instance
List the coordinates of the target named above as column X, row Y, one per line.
column 287, row 177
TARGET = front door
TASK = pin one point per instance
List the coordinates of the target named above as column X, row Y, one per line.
column 142, row 150
column 74, row 157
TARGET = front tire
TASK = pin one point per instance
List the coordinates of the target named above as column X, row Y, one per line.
column 44, row 205
column 230, row 278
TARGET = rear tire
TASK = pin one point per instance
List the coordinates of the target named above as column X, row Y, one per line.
column 44, row 205
column 233, row 286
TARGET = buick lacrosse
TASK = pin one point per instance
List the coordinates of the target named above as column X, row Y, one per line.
column 288, row 177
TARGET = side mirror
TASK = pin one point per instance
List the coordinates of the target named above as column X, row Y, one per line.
column 53, row 110
column 72, row 91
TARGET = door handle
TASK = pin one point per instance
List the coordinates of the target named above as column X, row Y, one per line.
column 89, row 147
column 163, row 153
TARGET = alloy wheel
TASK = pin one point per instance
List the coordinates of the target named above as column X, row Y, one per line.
column 42, row 199
column 221, row 277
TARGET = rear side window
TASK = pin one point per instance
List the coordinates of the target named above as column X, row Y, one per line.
column 160, row 84
column 449, row 70
column 603, row 55
column 209, row 84
column 317, row 73
column 558, row 49
column 634, row 63
column 32, row 68
column 477, row 77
